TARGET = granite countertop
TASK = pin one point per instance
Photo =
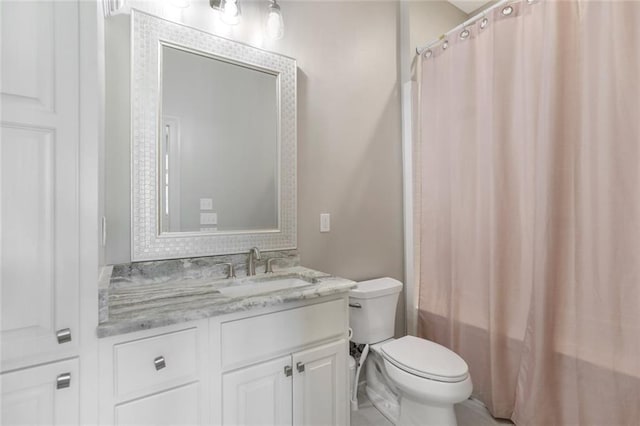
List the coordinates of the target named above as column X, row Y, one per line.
column 133, row 305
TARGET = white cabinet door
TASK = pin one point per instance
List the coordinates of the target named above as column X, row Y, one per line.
column 320, row 385
column 39, row 263
column 30, row 396
column 258, row 395
column 179, row 406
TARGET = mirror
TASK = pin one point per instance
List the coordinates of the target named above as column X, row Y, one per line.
column 214, row 144
column 218, row 145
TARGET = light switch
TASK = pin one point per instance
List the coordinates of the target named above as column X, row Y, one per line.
column 206, row 203
column 208, row 218
column 325, row 222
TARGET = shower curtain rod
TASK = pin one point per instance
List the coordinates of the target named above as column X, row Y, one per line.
column 469, row 21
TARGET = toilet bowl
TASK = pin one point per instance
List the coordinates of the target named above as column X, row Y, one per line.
column 413, row 381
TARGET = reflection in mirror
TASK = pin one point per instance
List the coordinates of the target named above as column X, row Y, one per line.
column 219, row 150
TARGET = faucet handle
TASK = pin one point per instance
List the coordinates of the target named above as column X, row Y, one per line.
column 269, row 268
column 231, row 271
column 255, row 252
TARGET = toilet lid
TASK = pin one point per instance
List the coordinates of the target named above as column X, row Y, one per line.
column 425, row 359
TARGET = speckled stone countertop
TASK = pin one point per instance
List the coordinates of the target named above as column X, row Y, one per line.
column 133, row 301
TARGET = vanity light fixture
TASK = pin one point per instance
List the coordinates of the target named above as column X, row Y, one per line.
column 112, row 7
column 229, row 10
column 274, row 24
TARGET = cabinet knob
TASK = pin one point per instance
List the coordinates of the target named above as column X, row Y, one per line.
column 300, row 367
column 63, row 381
column 63, row 335
column 288, row 371
column 159, row 363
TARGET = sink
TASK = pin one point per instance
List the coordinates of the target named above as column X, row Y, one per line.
column 260, row 287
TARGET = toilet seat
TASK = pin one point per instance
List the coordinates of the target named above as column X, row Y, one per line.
column 425, row 359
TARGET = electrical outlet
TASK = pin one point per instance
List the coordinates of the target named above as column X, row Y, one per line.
column 208, row 218
column 206, row 203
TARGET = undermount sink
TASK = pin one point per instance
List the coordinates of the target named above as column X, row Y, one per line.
column 260, row 287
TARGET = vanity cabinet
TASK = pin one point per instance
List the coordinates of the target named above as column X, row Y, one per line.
column 281, row 365
column 314, row 373
column 304, row 388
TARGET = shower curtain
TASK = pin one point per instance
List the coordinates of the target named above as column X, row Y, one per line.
column 529, row 221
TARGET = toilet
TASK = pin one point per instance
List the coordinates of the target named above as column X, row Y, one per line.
column 410, row 380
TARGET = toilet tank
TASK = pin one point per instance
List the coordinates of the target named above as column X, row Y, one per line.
column 372, row 310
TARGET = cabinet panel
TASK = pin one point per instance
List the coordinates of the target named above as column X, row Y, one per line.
column 258, row 395
column 320, row 385
column 174, row 407
column 30, row 396
column 265, row 336
column 39, row 264
column 29, row 85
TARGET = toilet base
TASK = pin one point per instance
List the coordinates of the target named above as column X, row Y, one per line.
column 414, row 413
column 403, row 408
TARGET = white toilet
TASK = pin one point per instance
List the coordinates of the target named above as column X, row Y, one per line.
column 412, row 381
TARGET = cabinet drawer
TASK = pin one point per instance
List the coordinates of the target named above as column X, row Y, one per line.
column 154, row 363
column 265, row 336
column 173, row 407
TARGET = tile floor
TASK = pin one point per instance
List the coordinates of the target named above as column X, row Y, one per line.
column 469, row 413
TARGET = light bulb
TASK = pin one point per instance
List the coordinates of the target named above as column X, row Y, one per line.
column 231, row 12
column 275, row 24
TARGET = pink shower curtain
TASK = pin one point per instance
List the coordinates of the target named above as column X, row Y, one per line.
column 529, row 226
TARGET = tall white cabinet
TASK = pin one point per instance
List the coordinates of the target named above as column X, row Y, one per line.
column 39, row 231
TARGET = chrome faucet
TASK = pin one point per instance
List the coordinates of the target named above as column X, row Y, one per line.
column 254, row 254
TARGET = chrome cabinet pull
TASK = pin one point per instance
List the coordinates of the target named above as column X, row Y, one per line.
column 355, row 305
column 63, row 381
column 300, row 367
column 63, row 335
column 159, row 363
column 288, row 371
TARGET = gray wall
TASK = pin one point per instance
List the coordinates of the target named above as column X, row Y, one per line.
column 349, row 135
